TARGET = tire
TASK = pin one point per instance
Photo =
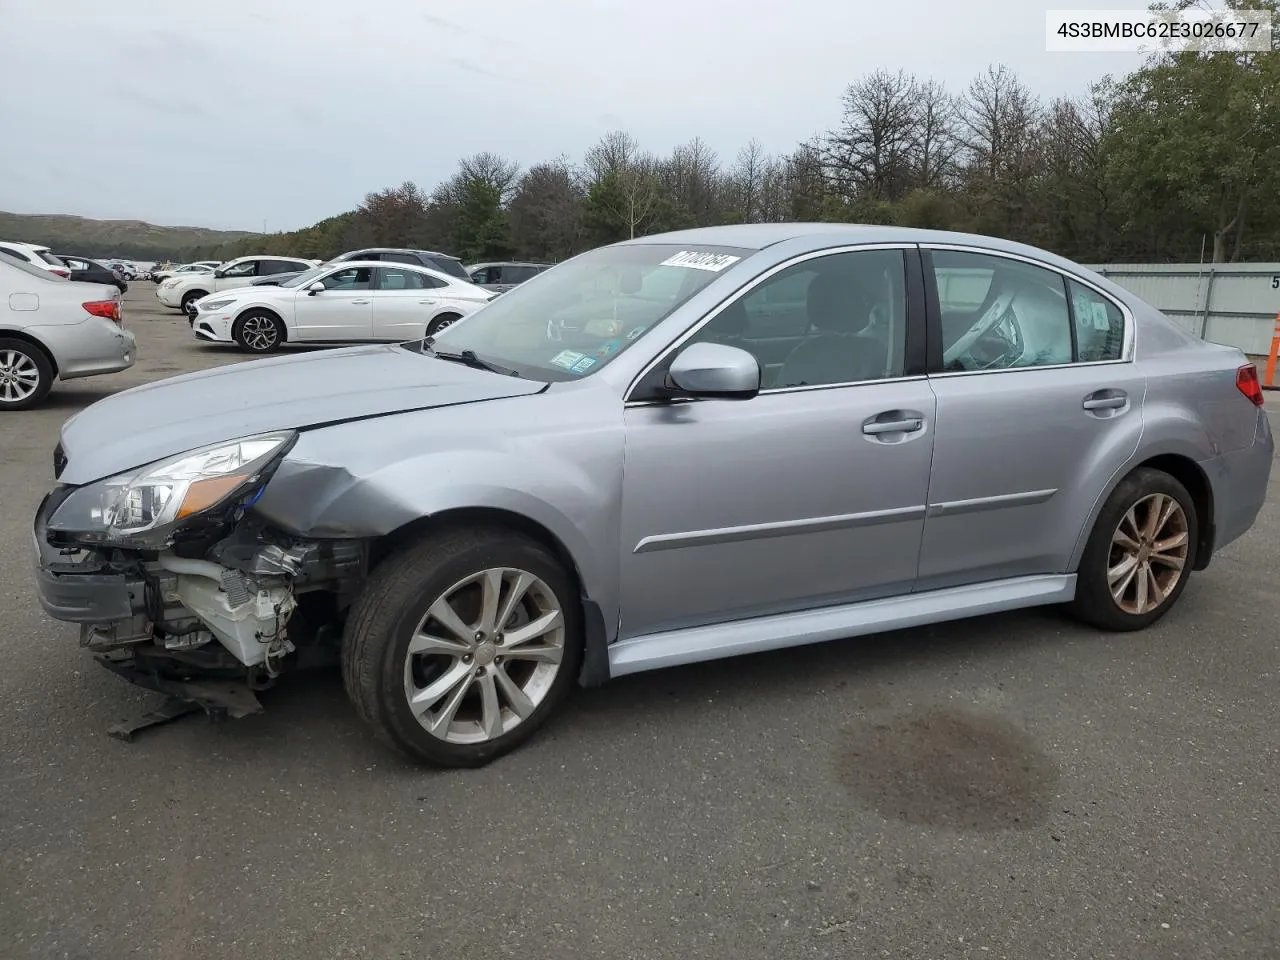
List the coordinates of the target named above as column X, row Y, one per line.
column 381, row 675
column 441, row 322
column 189, row 303
column 258, row 331
column 1131, row 504
column 26, row 374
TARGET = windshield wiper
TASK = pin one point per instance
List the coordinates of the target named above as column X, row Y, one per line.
column 470, row 359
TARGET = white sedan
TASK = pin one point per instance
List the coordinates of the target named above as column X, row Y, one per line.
column 339, row 303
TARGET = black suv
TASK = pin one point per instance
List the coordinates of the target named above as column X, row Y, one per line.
column 423, row 258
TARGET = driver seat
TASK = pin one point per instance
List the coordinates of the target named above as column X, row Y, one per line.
column 838, row 308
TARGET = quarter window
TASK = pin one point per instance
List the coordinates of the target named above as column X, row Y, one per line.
column 1099, row 324
column 841, row 318
column 999, row 314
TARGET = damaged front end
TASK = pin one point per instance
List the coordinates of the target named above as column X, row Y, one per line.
column 179, row 588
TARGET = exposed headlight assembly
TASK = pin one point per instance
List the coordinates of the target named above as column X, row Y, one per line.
column 144, row 507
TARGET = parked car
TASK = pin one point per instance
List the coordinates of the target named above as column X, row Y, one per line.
column 91, row 271
column 124, row 270
column 741, row 438
column 501, row 277
column 161, row 275
column 35, row 255
column 55, row 329
column 424, row 258
column 181, row 292
column 341, row 303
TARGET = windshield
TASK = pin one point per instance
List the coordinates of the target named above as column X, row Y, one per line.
column 574, row 319
column 307, row 276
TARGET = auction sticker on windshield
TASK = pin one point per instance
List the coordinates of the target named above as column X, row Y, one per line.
column 565, row 359
column 715, row 262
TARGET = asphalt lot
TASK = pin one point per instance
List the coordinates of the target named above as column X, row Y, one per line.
column 1015, row 786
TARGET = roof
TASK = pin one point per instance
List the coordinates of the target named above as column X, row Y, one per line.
column 429, row 253
column 757, row 236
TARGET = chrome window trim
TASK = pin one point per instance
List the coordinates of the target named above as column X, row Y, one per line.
column 744, row 291
column 1127, row 343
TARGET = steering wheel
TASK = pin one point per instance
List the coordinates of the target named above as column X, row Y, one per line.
column 988, row 320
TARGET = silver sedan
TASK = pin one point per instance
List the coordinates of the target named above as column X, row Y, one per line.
column 678, row 448
column 55, row 329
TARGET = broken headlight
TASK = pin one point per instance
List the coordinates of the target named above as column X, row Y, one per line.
column 143, row 507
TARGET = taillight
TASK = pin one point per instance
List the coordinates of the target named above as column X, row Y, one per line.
column 59, row 272
column 1247, row 383
column 107, row 309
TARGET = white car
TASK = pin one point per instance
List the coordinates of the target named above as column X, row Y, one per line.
column 181, row 291
column 337, row 303
column 200, row 266
column 53, row 329
column 35, row 255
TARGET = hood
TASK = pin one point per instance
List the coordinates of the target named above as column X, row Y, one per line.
column 168, row 417
column 245, row 291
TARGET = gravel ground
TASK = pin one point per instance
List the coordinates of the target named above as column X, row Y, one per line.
column 1014, row 786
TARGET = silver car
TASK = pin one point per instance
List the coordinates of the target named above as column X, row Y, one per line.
column 55, row 329
column 678, row 448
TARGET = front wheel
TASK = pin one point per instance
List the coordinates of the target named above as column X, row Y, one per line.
column 1139, row 555
column 258, row 332
column 461, row 645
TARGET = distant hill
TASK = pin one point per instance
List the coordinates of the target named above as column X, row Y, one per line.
column 128, row 239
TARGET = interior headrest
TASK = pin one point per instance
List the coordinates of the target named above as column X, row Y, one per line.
column 837, row 303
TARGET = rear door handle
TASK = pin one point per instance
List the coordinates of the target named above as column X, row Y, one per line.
column 876, row 427
column 360, row 301
column 1106, row 400
column 426, row 301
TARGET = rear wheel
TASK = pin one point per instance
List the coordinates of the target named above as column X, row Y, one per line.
column 258, row 331
column 1139, row 555
column 441, row 322
column 461, row 645
column 26, row 375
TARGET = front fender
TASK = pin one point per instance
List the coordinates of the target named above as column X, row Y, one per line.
column 357, row 481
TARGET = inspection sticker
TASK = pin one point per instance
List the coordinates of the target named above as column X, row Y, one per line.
column 566, row 359
column 583, row 365
column 715, row 262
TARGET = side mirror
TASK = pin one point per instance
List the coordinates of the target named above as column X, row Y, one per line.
column 315, row 288
column 716, row 371
column 219, row 273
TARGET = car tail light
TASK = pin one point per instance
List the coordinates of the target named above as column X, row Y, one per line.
column 59, row 272
column 107, row 309
column 1247, row 383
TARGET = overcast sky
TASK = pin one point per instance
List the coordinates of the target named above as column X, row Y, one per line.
column 232, row 113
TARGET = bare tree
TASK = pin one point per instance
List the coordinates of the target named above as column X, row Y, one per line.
column 998, row 118
column 869, row 153
column 690, row 178
column 497, row 171
column 932, row 151
column 613, row 152
column 747, row 181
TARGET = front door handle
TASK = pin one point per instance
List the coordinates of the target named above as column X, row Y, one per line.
column 359, row 301
column 876, row 427
column 1106, row 400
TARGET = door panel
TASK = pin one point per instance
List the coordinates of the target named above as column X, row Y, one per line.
column 343, row 311
column 1028, row 438
column 733, row 509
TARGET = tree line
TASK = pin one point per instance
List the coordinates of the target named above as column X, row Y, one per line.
column 1177, row 161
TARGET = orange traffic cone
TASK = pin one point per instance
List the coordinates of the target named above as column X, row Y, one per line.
column 1269, row 378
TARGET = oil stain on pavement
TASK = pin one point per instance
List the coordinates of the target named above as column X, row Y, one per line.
column 949, row 768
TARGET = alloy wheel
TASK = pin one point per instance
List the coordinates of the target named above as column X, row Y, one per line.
column 485, row 656
column 19, row 376
column 259, row 333
column 1149, row 552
